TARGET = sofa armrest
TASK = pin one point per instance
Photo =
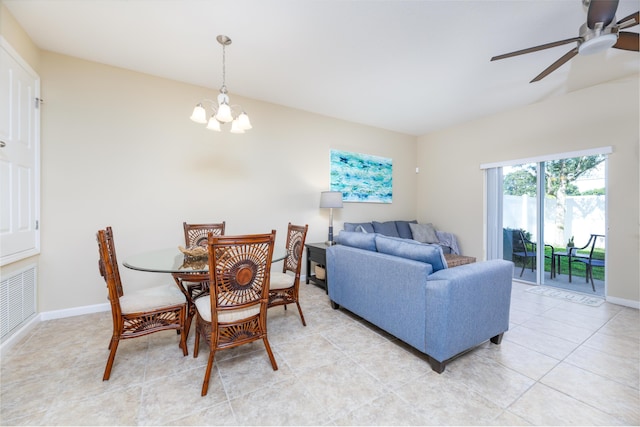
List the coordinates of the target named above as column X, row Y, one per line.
column 388, row 291
column 466, row 306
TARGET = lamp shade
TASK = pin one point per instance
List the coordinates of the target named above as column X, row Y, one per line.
column 199, row 114
column 331, row 199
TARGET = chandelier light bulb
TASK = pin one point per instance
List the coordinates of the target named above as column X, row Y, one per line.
column 199, row 115
column 243, row 121
column 213, row 124
column 224, row 113
column 235, row 127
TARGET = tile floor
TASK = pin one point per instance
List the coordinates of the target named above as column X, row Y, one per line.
column 561, row 363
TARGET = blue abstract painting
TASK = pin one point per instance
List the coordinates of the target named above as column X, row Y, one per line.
column 361, row 177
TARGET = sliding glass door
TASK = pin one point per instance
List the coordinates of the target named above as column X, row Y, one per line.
column 542, row 214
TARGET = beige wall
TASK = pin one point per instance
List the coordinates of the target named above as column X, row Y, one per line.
column 605, row 115
column 118, row 149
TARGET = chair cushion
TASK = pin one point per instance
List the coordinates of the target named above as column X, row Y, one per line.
column 204, row 309
column 151, row 299
column 386, row 228
column 424, row 233
column 357, row 240
column 430, row 254
column 280, row 280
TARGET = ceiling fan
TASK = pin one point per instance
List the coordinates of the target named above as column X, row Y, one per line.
column 599, row 33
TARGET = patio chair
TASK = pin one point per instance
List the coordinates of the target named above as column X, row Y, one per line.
column 590, row 260
column 526, row 249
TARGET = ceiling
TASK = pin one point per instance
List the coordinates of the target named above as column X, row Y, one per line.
column 408, row 66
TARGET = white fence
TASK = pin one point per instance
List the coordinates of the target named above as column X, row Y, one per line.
column 585, row 215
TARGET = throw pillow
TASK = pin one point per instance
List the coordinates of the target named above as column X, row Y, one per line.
column 404, row 230
column 424, row 233
column 386, row 228
column 430, row 254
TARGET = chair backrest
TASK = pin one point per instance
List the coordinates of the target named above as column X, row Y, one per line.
column 594, row 241
column 520, row 243
column 108, row 266
column 296, row 235
column 197, row 234
column 239, row 270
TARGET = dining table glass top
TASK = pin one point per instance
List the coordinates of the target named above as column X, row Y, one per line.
column 172, row 260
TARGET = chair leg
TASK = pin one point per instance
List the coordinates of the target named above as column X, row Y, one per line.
column 207, row 374
column 183, row 341
column 301, row 315
column 113, row 346
column 593, row 286
column 274, row 365
column 196, row 345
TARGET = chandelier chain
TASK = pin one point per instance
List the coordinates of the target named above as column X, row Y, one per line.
column 223, row 89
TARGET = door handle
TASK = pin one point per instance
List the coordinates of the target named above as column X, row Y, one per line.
column 2, row 144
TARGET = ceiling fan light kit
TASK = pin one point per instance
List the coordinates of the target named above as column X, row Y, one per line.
column 599, row 33
column 222, row 110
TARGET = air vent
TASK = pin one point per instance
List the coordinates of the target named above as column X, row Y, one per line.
column 17, row 300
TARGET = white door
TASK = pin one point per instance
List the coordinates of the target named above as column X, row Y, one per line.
column 19, row 157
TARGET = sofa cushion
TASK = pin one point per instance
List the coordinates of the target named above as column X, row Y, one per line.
column 352, row 226
column 431, row 254
column 386, row 228
column 404, row 230
column 424, row 233
column 357, row 240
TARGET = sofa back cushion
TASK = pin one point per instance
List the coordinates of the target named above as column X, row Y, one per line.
column 404, row 230
column 431, row 254
column 366, row 227
column 357, row 239
column 386, row 228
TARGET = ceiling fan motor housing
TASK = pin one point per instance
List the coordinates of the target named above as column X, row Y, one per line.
column 597, row 39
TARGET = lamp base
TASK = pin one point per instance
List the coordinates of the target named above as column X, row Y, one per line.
column 330, row 243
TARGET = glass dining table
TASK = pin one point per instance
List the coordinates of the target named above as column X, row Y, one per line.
column 172, row 260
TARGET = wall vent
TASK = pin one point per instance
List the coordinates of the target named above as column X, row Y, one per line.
column 17, row 300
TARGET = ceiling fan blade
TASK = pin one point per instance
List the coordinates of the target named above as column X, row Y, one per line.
column 550, row 69
column 629, row 21
column 536, row 48
column 628, row 41
column 601, row 11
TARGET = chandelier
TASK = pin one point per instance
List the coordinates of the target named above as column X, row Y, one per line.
column 222, row 111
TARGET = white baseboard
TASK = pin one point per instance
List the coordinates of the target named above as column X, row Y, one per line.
column 75, row 311
column 625, row 302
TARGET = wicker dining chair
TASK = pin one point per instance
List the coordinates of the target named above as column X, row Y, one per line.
column 236, row 311
column 284, row 287
column 195, row 285
column 137, row 313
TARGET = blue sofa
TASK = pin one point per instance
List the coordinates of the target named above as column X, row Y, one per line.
column 405, row 288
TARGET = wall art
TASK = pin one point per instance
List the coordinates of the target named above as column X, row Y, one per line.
column 362, row 177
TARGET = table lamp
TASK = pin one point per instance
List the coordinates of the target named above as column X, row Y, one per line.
column 330, row 199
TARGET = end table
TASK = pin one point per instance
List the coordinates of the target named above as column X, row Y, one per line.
column 316, row 253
